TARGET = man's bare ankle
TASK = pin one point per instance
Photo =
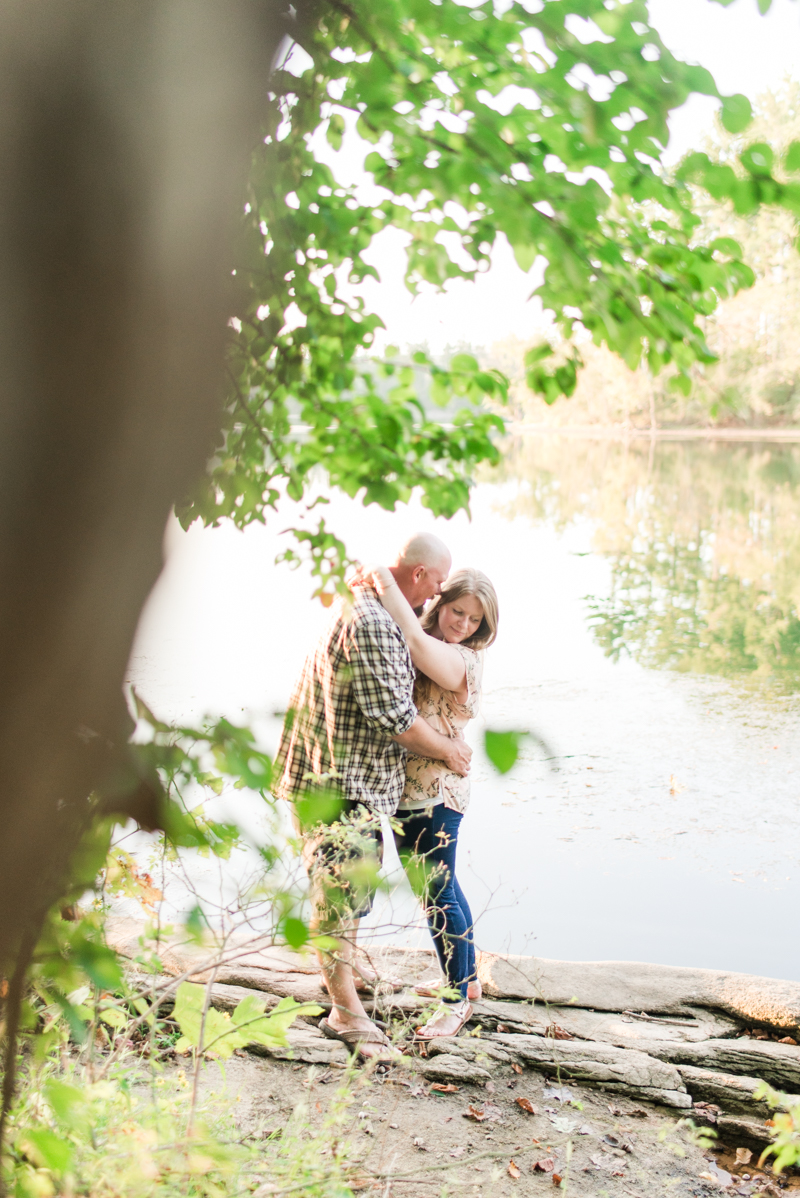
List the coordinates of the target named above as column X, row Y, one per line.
column 347, row 1019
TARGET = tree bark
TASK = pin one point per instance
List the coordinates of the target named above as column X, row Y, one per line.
column 125, row 132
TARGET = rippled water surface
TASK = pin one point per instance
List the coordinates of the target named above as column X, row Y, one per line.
column 649, row 636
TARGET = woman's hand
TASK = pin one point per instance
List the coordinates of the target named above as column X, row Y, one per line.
column 380, row 577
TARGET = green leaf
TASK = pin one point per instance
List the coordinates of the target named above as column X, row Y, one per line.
column 188, row 1014
column 538, row 353
column 726, row 245
column 502, row 748
column 321, row 808
column 335, row 130
column 272, row 1028
column 47, row 1150
column 113, row 1017
column 792, row 160
column 67, row 1103
column 99, row 963
column 736, row 113
column 464, row 362
column 757, row 158
column 295, row 932
column 525, row 254
column 195, row 924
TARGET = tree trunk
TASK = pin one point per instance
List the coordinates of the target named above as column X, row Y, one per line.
column 125, row 131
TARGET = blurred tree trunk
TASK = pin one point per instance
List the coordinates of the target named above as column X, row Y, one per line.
column 125, row 131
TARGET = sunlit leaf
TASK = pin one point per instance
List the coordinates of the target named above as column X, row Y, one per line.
column 502, row 748
column 736, row 113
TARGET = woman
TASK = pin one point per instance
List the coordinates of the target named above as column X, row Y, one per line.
column 446, row 646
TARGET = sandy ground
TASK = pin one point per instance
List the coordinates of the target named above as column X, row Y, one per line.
column 415, row 1141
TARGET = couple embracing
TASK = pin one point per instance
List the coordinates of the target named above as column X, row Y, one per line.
column 376, row 726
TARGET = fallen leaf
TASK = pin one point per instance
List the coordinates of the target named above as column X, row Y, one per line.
column 457, row 1151
column 563, row 1123
column 607, row 1162
column 638, row 1113
column 526, row 1105
column 615, row 1110
column 517, row 1068
column 513, row 1170
column 556, row 1179
column 743, row 1156
column 441, row 1088
column 586, row 1130
column 418, row 1092
column 545, row 1165
column 787, row 1040
column 501, row 1027
column 554, row 1032
column 419, row 1143
column 477, row 1114
column 560, row 1093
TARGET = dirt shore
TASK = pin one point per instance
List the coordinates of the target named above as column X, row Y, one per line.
column 412, row 1139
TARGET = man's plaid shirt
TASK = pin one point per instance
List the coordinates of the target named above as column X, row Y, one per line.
column 354, row 693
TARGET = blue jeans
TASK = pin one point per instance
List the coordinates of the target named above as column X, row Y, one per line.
column 428, row 839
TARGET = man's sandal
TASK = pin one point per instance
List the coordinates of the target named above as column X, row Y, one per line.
column 428, row 1031
column 354, row 1038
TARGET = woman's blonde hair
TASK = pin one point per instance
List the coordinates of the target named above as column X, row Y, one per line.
column 463, row 582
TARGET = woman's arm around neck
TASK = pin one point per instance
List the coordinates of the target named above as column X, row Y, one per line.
column 442, row 663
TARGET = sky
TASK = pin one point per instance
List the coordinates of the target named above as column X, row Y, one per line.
column 744, row 51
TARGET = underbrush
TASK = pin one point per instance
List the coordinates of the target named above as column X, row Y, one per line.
column 135, row 1129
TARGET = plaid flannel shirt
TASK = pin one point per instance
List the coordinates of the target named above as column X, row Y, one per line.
column 354, row 693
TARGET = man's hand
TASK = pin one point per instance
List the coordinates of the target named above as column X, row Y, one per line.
column 423, row 741
column 458, row 757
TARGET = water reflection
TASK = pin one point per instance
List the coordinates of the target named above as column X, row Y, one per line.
column 703, row 541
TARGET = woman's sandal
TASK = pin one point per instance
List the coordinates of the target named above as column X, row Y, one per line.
column 463, row 1010
column 434, row 990
column 354, row 1038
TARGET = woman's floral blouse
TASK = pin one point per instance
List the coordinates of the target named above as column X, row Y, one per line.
column 431, row 780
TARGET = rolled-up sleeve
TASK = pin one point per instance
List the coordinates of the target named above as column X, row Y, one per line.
column 382, row 677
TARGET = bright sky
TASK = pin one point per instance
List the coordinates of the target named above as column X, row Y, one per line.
column 744, row 51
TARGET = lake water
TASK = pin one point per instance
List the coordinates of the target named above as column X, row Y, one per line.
column 649, row 638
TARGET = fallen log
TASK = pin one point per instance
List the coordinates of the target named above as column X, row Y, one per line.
column 655, row 989
column 732, row 1094
column 778, row 1064
column 620, row 1070
column 609, row 1027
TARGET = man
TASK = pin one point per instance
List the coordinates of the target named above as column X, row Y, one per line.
column 351, row 721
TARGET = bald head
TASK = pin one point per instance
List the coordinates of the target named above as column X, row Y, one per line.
column 424, row 549
column 421, row 567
